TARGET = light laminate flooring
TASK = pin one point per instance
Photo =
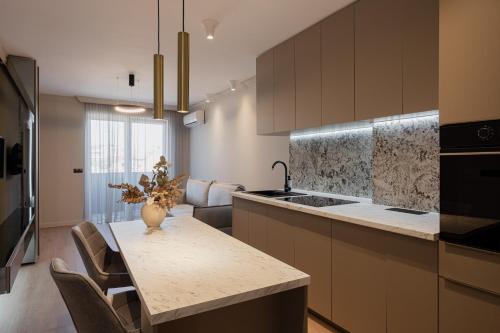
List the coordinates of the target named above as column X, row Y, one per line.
column 35, row 304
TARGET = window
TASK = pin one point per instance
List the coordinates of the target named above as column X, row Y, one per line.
column 119, row 148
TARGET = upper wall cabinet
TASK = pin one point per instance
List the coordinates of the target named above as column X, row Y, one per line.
column 337, row 67
column 265, row 93
column 284, row 87
column 469, row 66
column 308, row 78
column 420, row 55
column 378, row 59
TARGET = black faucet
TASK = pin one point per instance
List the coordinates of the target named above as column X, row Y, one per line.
column 287, row 177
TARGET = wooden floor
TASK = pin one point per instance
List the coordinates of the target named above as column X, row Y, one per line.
column 35, row 304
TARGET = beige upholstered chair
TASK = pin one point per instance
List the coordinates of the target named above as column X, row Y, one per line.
column 90, row 309
column 103, row 265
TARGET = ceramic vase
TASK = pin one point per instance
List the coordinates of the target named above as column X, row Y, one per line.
column 153, row 215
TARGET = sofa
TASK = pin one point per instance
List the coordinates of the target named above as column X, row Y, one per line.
column 209, row 202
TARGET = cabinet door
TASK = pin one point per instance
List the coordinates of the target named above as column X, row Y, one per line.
column 469, row 66
column 412, row 285
column 378, row 59
column 358, row 278
column 464, row 310
column 265, row 93
column 308, row 78
column 337, row 66
column 240, row 220
column 257, row 220
column 280, row 234
column 284, row 87
column 420, row 55
column 313, row 255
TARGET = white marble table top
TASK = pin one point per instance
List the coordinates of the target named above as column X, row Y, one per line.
column 188, row 267
column 364, row 213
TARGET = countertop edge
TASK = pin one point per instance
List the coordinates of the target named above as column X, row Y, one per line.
column 340, row 217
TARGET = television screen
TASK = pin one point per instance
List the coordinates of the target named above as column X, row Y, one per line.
column 2, row 157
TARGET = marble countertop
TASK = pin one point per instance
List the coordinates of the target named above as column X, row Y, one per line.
column 188, row 267
column 364, row 213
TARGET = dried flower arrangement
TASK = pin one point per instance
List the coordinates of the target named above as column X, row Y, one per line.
column 160, row 190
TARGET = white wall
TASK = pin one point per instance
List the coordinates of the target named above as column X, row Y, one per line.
column 62, row 133
column 228, row 149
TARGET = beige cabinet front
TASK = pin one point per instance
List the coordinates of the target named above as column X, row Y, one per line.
column 337, row 67
column 284, row 87
column 280, row 234
column 240, row 220
column 469, row 66
column 265, row 92
column 313, row 255
column 464, row 309
column 359, row 279
column 308, row 78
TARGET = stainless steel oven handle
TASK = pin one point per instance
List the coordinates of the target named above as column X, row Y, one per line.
column 471, row 153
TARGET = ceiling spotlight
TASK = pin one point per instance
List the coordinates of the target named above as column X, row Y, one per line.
column 233, row 84
column 210, row 25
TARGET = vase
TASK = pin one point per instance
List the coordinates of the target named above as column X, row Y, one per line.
column 153, row 215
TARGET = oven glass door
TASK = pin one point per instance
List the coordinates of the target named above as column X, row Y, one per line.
column 470, row 199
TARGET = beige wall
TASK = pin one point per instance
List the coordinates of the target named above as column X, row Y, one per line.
column 227, row 148
column 62, row 135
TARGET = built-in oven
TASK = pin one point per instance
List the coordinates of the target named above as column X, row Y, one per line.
column 470, row 184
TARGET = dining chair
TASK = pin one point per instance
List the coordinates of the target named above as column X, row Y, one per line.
column 104, row 265
column 91, row 310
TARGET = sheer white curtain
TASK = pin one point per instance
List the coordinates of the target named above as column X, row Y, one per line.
column 119, row 148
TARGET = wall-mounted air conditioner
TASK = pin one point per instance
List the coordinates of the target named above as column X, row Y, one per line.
column 194, row 118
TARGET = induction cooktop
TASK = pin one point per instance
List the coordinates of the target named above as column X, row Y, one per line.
column 315, row 201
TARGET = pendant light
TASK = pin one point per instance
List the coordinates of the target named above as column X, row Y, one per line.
column 183, row 69
column 129, row 107
column 158, row 76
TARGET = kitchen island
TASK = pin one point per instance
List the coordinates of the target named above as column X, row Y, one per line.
column 193, row 278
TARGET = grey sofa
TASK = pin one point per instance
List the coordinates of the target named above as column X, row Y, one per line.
column 208, row 201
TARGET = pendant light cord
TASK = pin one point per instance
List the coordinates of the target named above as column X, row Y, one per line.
column 158, row 2
column 182, row 15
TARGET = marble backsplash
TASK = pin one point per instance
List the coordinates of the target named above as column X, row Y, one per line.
column 396, row 163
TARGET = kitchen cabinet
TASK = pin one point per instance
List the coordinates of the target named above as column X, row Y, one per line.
column 308, row 78
column 257, row 226
column 313, row 255
column 412, row 274
column 463, row 309
column 358, row 279
column 420, row 55
column 469, row 70
column 337, row 67
column 240, row 220
column 378, row 59
column 265, row 92
column 284, row 87
column 280, row 234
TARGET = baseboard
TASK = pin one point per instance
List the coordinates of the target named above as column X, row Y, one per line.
column 72, row 223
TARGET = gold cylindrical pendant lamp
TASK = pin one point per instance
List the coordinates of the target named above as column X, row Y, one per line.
column 183, row 72
column 158, row 87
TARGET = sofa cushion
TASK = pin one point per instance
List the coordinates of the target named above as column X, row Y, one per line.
column 197, row 192
column 181, row 210
column 220, row 193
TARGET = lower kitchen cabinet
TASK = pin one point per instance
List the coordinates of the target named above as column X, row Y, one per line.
column 280, row 234
column 412, row 285
column 464, row 309
column 359, row 278
column 240, row 220
column 257, row 226
column 313, row 255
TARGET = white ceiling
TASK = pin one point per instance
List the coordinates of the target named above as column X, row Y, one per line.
column 82, row 46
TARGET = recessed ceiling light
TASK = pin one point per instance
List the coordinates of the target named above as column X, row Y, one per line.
column 210, row 25
column 233, row 84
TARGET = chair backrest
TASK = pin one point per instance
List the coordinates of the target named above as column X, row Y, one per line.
column 92, row 247
column 90, row 309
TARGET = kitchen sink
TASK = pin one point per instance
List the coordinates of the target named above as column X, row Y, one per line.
column 276, row 193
